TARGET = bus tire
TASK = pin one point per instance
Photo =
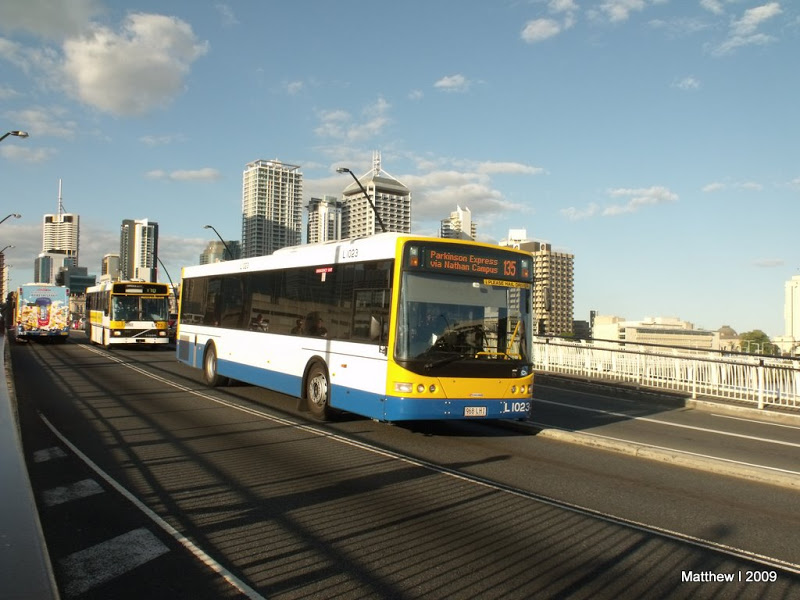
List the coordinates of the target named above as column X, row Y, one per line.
column 317, row 391
column 210, row 374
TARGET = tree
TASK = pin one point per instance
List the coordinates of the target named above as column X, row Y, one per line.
column 757, row 342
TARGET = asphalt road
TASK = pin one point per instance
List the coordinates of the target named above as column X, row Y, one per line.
column 151, row 485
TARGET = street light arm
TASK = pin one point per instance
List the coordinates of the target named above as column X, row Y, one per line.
column 374, row 210
column 22, row 134
column 15, row 215
column 228, row 250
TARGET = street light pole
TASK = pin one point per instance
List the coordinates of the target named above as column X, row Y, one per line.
column 15, row 215
column 374, row 210
column 214, row 229
column 22, row 134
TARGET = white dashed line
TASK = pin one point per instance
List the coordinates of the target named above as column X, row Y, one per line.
column 68, row 493
column 103, row 562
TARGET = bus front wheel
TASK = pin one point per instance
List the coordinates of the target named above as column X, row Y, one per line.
column 318, row 392
column 210, row 374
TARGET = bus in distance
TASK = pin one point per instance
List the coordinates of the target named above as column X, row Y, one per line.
column 392, row 326
column 41, row 312
column 127, row 312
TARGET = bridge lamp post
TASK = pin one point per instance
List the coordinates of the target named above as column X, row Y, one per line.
column 21, row 134
column 374, row 210
column 214, row 229
column 15, row 215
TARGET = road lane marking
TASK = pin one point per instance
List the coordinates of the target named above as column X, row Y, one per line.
column 784, row 425
column 229, row 577
column 739, row 553
column 555, row 432
column 668, row 423
column 68, row 493
column 46, row 454
column 98, row 564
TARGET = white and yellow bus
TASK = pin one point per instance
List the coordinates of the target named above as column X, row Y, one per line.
column 128, row 312
column 392, row 326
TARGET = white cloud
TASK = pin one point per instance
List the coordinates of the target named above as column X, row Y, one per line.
column 751, row 186
column 577, row 214
column 539, row 30
column 22, row 153
column 713, row 6
column 134, row 71
column 51, row 19
column 340, row 124
column 205, row 174
column 508, row 168
column 227, row 16
column 768, row 263
column 743, row 32
column 637, row 198
column 162, row 140
column 294, row 87
column 41, row 121
column 620, row 10
column 713, row 187
column 687, row 83
column 453, row 83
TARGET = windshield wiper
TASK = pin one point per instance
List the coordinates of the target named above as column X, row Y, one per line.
column 443, row 361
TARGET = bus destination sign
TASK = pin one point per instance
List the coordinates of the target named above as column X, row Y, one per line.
column 140, row 288
column 465, row 260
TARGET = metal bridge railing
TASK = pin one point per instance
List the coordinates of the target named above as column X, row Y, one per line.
column 758, row 380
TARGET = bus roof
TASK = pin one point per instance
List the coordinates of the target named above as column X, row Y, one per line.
column 373, row 247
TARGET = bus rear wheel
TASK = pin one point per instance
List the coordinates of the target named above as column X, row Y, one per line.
column 210, row 374
column 318, row 392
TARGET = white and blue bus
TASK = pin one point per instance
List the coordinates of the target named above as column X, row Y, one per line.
column 392, row 326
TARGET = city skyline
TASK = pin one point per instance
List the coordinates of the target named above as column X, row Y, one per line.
column 654, row 141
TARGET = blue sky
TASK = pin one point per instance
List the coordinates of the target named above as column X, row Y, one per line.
column 655, row 140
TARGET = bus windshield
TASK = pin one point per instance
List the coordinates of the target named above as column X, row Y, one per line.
column 444, row 318
column 137, row 308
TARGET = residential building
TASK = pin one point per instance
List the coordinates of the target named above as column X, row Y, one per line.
column 324, row 221
column 459, row 226
column 216, row 252
column 138, row 250
column 392, row 201
column 109, row 267
column 554, row 283
column 272, row 211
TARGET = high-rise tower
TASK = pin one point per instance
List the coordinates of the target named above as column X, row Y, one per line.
column 324, row 220
column 391, row 198
column 61, row 233
column 138, row 250
column 272, row 209
column 459, row 226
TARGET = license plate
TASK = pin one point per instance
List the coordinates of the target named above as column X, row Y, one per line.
column 474, row 411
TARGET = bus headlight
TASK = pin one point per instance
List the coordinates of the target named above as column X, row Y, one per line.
column 420, row 388
column 403, row 387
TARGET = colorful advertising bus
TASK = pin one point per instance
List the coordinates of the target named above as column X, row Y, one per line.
column 392, row 326
column 41, row 312
column 128, row 312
